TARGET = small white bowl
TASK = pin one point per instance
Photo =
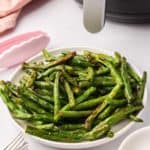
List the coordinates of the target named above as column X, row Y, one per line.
column 138, row 140
column 119, row 129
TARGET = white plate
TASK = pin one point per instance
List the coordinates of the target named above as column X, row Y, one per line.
column 119, row 129
column 138, row 140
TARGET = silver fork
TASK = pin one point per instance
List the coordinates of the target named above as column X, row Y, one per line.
column 18, row 143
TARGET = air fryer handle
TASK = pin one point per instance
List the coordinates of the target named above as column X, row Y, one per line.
column 94, row 15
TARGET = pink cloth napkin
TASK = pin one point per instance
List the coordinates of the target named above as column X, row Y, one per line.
column 21, row 47
column 9, row 11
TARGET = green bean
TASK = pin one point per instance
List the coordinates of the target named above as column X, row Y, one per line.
column 34, row 122
column 108, row 58
column 90, row 73
column 106, row 112
column 90, row 103
column 105, row 81
column 48, row 72
column 21, row 115
column 70, row 94
column 116, row 102
column 7, row 101
column 90, row 118
column 30, row 95
column 133, row 74
column 44, row 92
column 102, row 70
column 108, row 100
column 29, row 78
column 71, row 126
column 47, row 117
column 85, row 95
column 97, row 81
column 113, row 119
column 64, row 136
column 18, row 104
column 114, row 91
column 98, row 132
column 34, row 66
column 82, row 74
column 110, row 134
column 101, row 107
column 47, row 55
column 106, row 90
column 43, row 126
column 114, row 73
column 83, row 84
column 13, row 89
column 128, row 90
column 31, row 105
column 134, row 118
column 46, row 97
column 52, row 76
column 76, row 90
column 112, row 68
column 69, row 78
column 43, row 84
column 60, row 60
column 142, row 88
column 81, row 98
column 51, row 63
column 102, row 56
column 80, row 61
column 38, row 117
column 66, row 107
column 118, row 57
column 74, row 114
column 68, row 68
column 13, row 107
column 56, row 96
column 121, row 114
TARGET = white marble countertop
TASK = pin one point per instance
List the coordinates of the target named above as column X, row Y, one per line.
column 62, row 20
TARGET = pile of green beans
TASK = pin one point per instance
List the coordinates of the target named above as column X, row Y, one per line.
column 74, row 98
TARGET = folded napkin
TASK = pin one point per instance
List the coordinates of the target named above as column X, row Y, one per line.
column 9, row 12
column 21, row 47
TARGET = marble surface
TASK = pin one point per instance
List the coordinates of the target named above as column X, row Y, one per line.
column 62, row 20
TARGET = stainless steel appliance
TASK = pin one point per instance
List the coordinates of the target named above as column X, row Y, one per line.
column 126, row 11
